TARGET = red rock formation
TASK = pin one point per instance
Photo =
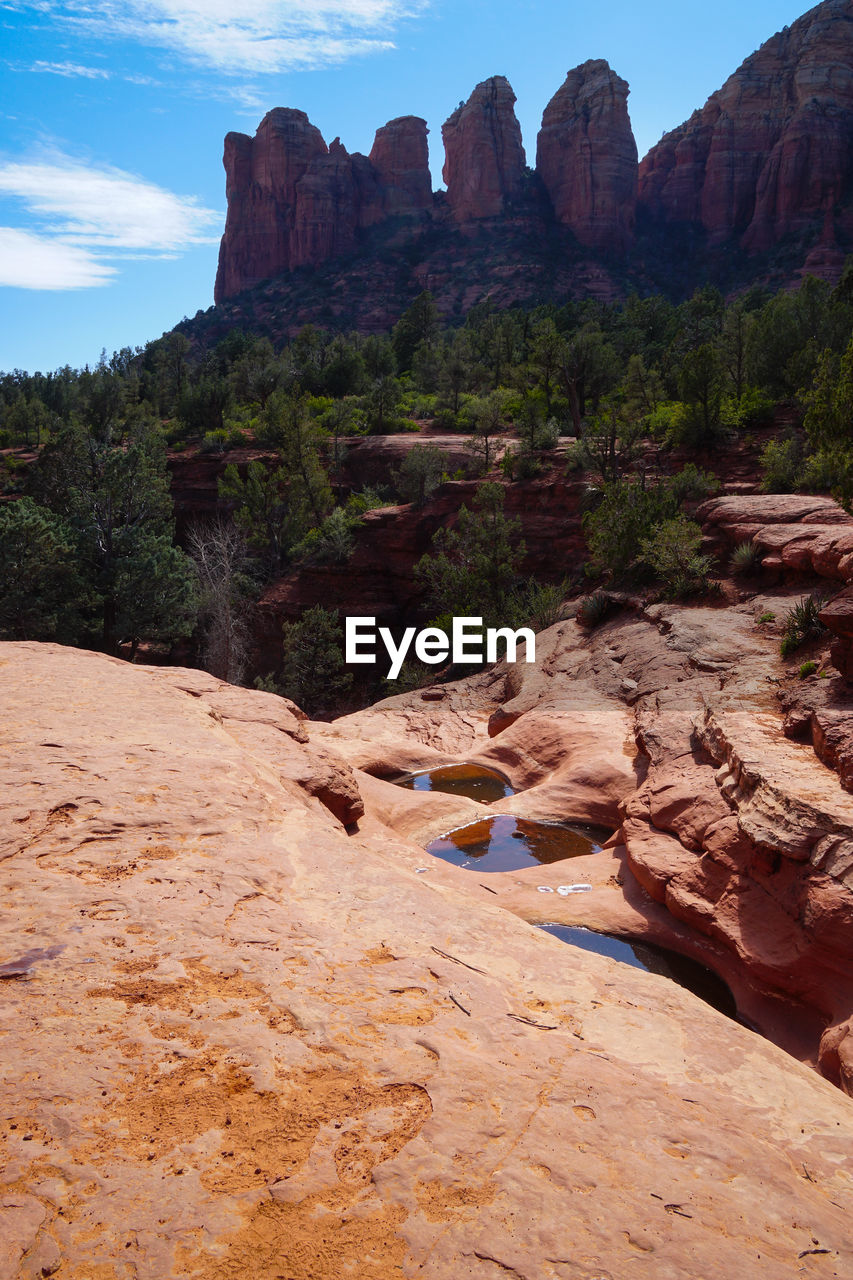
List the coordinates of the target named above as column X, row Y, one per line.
column 325, row 215
column 262, row 175
column 587, row 157
column 484, row 157
column 400, row 158
column 293, row 201
column 770, row 153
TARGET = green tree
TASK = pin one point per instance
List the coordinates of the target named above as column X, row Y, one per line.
column 488, row 425
column 701, row 386
column 587, row 370
column 829, row 418
column 418, row 326
column 287, row 424
column 420, row 473
column 313, row 674
column 609, row 441
column 113, row 492
column 42, row 596
column 263, row 511
column 473, row 567
column 545, row 359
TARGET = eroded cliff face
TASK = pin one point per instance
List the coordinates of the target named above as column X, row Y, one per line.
column 293, row 201
column 771, row 153
column 484, row 163
column 767, row 163
column 587, row 157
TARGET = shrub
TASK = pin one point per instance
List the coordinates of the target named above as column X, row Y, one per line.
column 823, row 472
column 544, row 604
column 746, row 558
column 508, row 463
column 335, row 541
column 807, row 669
column 215, row 441
column 574, row 458
column 691, row 483
column 780, row 461
column 754, row 408
column 527, row 466
column 802, row 623
column 420, row 473
column 767, row 616
column 673, row 552
column 593, row 610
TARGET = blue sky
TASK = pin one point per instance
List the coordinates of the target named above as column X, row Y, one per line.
column 113, row 112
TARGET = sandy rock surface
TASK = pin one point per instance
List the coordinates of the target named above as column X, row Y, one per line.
column 242, row 1040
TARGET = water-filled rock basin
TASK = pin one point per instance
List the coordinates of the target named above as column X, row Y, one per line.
column 681, row 969
column 502, row 842
column 472, row 780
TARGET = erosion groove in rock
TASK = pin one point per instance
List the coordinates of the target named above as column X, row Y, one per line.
column 249, row 1041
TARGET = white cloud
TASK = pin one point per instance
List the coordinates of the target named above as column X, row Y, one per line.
column 107, row 208
column 71, row 70
column 234, row 38
column 81, row 215
column 30, row 261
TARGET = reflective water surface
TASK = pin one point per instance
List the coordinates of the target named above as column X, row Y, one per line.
column 505, row 843
column 642, row 955
column 472, row 780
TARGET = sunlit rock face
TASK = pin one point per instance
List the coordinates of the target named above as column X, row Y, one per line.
column 294, row 202
column 771, row 153
column 484, row 158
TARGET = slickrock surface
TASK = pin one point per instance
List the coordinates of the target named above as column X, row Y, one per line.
column 587, row 157
column 770, row 153
column 667, row 726
column 484, row 157
column 242, row 1040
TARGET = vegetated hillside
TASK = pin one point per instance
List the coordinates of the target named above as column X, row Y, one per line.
column 330, row 475
column 755, row 187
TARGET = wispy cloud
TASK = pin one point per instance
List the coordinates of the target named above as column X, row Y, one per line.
column 232, row 37
column 81, row 214
column 76, row 70
column 71, row 70
column 30, row 261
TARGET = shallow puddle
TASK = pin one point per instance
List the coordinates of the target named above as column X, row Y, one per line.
column 681, row 969
column 505, row 843
column 472, row 780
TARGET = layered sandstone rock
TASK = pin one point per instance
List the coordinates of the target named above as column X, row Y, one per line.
column 771, row 153
column 293, row 201
column 241, row 1040
column 400, row 159
column 484, row 162
column 587, row 157
column 664, row 725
